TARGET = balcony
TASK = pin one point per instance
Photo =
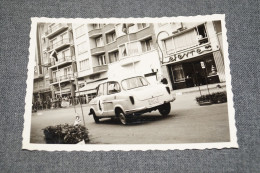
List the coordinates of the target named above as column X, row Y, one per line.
column 98, row 50
column 61, row 79
column 56, row 29
column 62, row 61
column 94, row 33
column 60, row 44
column 100, row 69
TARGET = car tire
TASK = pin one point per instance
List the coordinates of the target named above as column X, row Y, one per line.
column 165, row 109
column 95, row 118
column 122, row 117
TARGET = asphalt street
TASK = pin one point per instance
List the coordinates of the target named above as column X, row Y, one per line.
column 187, row 123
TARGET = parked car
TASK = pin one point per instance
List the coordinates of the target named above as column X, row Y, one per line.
column 130, row 97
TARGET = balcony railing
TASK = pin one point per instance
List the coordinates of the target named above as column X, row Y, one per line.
column 59, row 44
column 63, row 78
column 100, row 68
column 97, row 50
column 94, row 33
column 55, row 29
column 63, row 60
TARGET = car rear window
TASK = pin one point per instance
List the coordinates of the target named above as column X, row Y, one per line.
column 134, row 82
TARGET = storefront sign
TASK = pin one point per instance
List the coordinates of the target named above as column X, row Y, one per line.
column 188, row 54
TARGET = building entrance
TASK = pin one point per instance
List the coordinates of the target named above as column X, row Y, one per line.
column 191, row 74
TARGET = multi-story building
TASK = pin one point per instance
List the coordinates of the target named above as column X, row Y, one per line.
column 192, row 53
column 112, row 53
column 41, row 87
column 58, row 38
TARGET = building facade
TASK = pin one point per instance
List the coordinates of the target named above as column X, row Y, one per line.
column 192, row 53
column 58, row 38
column 187, row 54
column 113, row 53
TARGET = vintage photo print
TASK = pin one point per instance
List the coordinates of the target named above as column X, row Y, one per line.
column 129, row 84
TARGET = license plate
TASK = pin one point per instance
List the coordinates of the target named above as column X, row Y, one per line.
column 153, row 101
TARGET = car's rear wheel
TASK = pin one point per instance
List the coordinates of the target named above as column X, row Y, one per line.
column 95, row 117
column 122, row 117
column 165, row 109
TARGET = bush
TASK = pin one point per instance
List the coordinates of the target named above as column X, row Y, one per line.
column 65, row 134
column 218, row 97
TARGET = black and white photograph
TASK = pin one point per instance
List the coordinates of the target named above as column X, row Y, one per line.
column 129, row 84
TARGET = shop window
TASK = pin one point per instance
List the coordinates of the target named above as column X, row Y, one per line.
column 147, row 44
column 101, row 60
column 113, row 56
column 178, row 73
column 211, row 67
column 111, row 37
column 202, row 34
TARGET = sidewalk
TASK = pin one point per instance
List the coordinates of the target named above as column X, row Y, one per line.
column 203, row 88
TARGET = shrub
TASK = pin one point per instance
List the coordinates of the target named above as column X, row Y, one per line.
column 65, row 134
column 218, row 97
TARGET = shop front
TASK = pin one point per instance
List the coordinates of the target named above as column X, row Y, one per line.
column 195, row 67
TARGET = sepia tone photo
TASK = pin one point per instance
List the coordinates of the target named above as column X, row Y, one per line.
column 129, row 84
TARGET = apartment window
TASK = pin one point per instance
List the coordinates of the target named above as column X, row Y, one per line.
column 84, row 64
column 54, row 41
column 54, row 74
column 67, row 71
column 101, row 60
column 178, row 73
column 80, row 31
column 147, row 44
column 82, row 47
column 202, row 34
column 111, row 37
column 99, row 41
column 142, row 25
column 64, row 36
column 113, row 56
column 122, row 50
column 96, row 26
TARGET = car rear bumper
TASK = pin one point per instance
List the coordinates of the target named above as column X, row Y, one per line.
column 145, row 109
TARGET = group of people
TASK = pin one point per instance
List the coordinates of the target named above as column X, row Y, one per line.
column 57, row 102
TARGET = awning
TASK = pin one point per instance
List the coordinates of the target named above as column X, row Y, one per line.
column 65, row 91
column 89, row 88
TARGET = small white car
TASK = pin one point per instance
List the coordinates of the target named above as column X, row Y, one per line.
column 128, row 98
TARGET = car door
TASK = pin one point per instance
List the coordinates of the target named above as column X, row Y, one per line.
column 99, row 105
column 113, row 89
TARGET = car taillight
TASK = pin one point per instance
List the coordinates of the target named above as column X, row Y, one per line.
column 132, row 99
column 168, row 90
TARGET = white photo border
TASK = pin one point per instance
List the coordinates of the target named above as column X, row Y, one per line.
column 127, row 147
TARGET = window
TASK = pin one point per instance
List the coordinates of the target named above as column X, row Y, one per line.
column 133, row 48
column 80, row 31
column 67, row 71
column 122, row 50
column 64, row 36
column 142, row 25
column 94, row 76
column 178, row 73
column 113, row 56
column 84, row 64
column 111, row 37
column 134, row 82
column 101, row 60
column 82, row 47
column 147, row 45
column 211, row 67
column 100, row 90
column 202, row 34
column 113, row 87
column 99, row 41
column 96, row 26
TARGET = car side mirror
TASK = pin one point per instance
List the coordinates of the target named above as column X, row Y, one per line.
column 164, row 81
